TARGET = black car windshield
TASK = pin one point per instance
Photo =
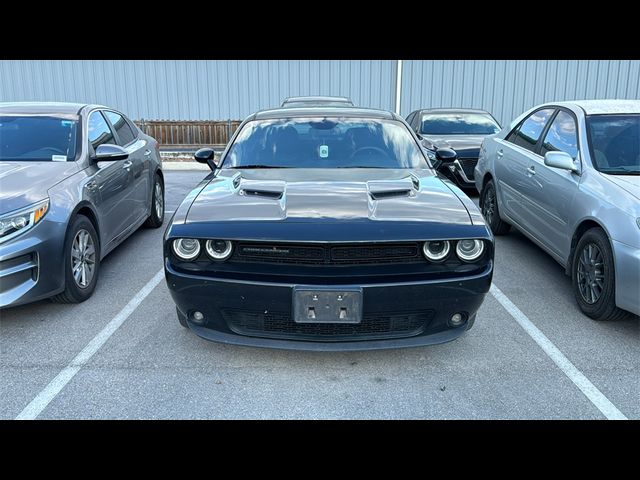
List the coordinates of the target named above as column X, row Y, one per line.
column 37, row 138
column 614, row 141
column 324, row 143
column 458, row 124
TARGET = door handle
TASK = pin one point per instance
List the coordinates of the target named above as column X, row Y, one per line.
column 127, row 164
column 147, row 152
column 499, row 153
column 531, row 170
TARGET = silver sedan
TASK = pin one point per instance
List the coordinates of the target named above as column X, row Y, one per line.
column 75, row 181
column 567, row 175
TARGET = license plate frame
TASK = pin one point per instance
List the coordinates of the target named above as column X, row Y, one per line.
column 327, row 305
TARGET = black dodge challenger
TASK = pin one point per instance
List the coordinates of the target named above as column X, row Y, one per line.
column 327, row 229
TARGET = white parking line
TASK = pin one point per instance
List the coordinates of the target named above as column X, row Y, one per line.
column 40, row 402
column 595, row 396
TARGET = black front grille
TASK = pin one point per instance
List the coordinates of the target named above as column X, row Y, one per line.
column 328, row 254
column 281, row 325
column 468, row 164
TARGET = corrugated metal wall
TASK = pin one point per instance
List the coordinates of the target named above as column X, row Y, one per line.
column 220, row 90
column 196, row 90
column 506, row 88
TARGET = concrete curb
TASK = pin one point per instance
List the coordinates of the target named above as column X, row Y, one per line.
column 184, row 166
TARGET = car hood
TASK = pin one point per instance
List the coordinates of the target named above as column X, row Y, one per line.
column 457, row 142
column 24, row 183
column 629, row 183
column 325, row 194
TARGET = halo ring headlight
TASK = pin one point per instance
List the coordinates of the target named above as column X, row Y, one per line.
column 436, row 251
column 219, row 250
column 186, row 248
column 469, row 250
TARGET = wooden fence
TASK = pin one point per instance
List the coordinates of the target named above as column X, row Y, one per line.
column 186, row 134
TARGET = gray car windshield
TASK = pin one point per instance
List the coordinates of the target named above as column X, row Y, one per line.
column 614, row 141
column 458, row 124
column 37, row 138
column 324, row 143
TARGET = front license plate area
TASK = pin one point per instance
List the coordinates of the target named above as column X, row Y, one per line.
column 313, row 305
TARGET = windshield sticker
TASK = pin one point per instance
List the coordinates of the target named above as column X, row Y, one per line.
column 58, row 158
column 324, row 151
column 66, row 123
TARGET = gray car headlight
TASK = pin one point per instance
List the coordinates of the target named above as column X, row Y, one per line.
column 19, row 221
column 186, row 248
column 469, row 250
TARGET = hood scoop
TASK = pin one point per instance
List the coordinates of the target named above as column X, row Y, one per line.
column 273, row 189
column 383, row 189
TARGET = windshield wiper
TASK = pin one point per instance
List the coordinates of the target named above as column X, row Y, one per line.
column 360, row 166
column 258, row 166
column 622, row 168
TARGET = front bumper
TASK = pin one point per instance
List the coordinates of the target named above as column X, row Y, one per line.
column 627, row 261
column 31, row 265
column 394, row 315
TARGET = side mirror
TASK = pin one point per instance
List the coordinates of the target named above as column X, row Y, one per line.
column 446, row 155
column 560, row 160
column 110, row 153
column 206, row 155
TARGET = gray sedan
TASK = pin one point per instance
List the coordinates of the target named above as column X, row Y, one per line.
column 567, row 175
column 75, row 181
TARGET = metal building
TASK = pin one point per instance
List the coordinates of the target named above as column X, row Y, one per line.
column 221, row 90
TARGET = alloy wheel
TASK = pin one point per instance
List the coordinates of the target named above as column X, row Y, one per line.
column 159, row 196
column 590, row 273
column 83, row 258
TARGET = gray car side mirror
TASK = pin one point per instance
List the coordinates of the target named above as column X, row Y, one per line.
column 561, row 160
column 110, row 153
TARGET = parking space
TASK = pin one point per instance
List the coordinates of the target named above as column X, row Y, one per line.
column 150, row 367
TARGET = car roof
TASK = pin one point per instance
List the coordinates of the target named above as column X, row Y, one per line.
column 318, row 111
column 454, row 110
column 604, row 107
column 65, row 108
column 317, row 98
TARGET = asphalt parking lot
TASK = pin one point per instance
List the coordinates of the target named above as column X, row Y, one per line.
column 531, row 354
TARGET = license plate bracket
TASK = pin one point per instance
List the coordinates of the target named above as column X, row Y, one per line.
column 327, row 305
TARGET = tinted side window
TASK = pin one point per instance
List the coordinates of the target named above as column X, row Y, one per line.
column 125, row 134
column 528, row 134
column 99, row 131
column 561, row 136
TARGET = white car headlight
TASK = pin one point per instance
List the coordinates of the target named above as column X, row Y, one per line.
column 17, row 222
column 186, row 248
column 469, row 250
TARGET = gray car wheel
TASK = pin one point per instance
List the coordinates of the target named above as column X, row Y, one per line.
column 81, row 261
column 593, row 276
column 489, row 206
column 157, row 204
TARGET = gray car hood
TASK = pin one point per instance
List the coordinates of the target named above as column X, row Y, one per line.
column 24, row 183
column 629, row 183
column 290, row 194
column 457, row 142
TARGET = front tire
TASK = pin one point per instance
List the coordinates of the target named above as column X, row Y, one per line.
column 490, row 210
column 81, row 262
column 593, row 277
column 157, row 204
